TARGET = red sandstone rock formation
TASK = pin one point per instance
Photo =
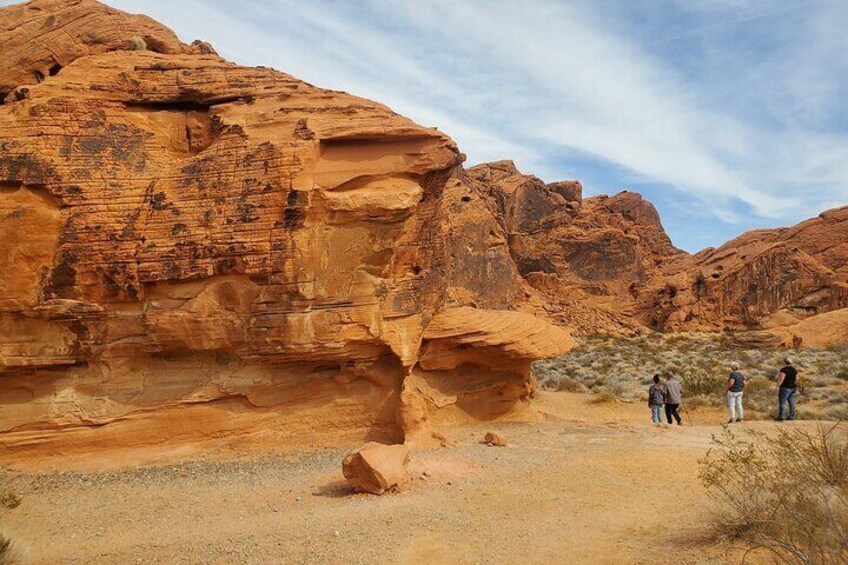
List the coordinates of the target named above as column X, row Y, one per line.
column 584, row 258
column 605, row 264
column 763, row 279
column 190, row 245
column 190, row 249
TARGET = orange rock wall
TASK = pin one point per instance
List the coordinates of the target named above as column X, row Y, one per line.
column 193, row 249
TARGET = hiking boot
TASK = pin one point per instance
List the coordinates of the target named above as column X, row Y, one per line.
column 731, row 421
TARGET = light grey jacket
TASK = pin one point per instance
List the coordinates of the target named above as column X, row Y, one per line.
column 674, row 392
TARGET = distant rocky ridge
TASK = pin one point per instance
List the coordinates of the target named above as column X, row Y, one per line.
column 605, row 264
column 584, row 258
column 191, row 245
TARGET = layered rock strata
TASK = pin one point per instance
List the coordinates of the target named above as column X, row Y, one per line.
column 760, row 280
column 192, row 249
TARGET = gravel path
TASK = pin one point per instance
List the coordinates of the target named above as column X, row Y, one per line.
column 599, row 486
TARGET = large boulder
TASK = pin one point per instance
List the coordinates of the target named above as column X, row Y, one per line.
column 376, row 467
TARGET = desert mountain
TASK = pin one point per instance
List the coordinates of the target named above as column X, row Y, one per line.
column 606, row 264
column 584, row 258
column 767, row 280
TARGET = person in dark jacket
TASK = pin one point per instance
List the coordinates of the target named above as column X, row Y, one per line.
column 656, row 400
column 787, row 385
column 673, row 399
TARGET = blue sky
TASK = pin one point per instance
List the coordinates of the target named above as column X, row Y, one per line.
column 727, row 114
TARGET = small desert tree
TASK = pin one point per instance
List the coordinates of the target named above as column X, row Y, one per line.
column 785, row 494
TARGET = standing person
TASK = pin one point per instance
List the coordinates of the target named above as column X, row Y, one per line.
column 736, row 383
column 787, row 385
column 656, row 399
column 673, row 398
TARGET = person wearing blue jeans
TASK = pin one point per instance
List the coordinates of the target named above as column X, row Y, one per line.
column 656, row 401
column 787, row 386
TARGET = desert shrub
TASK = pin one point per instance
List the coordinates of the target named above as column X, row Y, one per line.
column 702, row 383
column 7, row 552
column 621, row 388
column 836, row 412
column 9, row 499
column 603, row 395
column 695, row 402
column 785, row 494
column 138, row 44
column 561, row 383
column 625, row 365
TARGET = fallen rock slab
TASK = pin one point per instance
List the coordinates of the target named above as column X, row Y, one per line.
column 494, row 439
column 376, row 467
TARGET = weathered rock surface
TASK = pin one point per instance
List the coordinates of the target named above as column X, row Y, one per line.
column 823, row 331
column 605, row 264
column 42, row 37
column 376, row 467
column 583, row 257
column 763, row 279
column 194, row 250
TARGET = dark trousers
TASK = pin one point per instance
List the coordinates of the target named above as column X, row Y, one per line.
column 671, row 411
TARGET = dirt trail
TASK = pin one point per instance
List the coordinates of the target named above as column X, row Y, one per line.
column 599, row 485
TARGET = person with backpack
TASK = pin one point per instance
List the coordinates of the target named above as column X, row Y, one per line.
column 787, row 385
column 736, row 383
column 673, row 399
column 656, row 400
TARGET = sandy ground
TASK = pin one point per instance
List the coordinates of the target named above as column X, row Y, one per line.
column 594, row 483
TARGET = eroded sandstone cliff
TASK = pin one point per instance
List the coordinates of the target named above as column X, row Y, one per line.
column 584, row 258
column 192, row 249
column 761, row 280
column 605, row 264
